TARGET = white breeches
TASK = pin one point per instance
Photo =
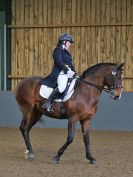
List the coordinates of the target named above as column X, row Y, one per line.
column 62, row 81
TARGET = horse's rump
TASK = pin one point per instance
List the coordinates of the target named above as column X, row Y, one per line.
column 25, row 91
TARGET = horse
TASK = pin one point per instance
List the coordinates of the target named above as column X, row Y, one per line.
column 80, row 107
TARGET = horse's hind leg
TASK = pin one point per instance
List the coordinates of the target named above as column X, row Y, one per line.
column 71, row 132
column 29, row 119
column 25, row 132
column 85, row 131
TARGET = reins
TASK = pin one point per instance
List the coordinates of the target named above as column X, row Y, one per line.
column 94, row 85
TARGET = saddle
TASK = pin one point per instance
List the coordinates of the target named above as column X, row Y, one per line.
column 45, row 91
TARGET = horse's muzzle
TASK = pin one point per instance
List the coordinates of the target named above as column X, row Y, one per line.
column 115, row 97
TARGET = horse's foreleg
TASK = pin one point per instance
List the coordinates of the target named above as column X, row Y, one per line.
column 71, row 132
column 86, row 138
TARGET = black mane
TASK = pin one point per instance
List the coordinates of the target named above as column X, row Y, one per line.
column 93, row 68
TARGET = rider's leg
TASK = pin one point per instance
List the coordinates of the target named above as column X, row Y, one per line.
column 62, row 82
column 50, row 100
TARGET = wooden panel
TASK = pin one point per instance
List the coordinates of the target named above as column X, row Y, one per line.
column 102, row 30
column 129, row 47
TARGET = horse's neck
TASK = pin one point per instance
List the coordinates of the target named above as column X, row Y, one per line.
column 96, row 79
column 87, row 88
column 89, row 92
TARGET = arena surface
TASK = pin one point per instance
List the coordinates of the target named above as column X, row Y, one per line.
column 112, row 150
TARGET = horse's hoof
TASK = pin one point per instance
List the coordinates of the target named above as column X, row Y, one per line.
column 93, row 161
column 56, row 160
column 28, row 155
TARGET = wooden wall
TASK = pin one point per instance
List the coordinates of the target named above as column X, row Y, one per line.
column 102, row 30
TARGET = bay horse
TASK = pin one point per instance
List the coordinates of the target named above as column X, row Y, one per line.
column 80, row 107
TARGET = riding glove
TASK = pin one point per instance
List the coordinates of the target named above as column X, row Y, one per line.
column 70, row 73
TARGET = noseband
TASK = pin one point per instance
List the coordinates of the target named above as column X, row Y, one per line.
column 115, row 86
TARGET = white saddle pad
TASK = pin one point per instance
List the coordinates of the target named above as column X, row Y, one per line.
column 45, row 91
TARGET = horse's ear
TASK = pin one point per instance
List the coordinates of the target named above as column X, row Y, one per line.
column 119, row 66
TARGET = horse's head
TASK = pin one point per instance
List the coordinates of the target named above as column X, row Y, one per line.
column 114, row 81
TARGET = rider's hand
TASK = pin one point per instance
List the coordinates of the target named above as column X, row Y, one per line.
column 70, row 73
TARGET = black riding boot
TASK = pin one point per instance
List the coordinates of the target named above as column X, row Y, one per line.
column 50, row 100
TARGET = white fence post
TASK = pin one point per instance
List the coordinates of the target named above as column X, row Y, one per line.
column 5, row 59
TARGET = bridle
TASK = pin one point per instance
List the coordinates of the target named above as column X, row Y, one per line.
column 108, row 90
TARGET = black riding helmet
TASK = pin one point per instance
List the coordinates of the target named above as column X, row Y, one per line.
column 65, row 37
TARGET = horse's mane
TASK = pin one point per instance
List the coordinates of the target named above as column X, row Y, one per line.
column 93, row 68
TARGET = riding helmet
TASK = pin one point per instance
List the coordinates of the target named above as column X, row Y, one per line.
column 65, row 37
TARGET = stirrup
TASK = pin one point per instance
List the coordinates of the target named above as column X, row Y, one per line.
column 47, row 107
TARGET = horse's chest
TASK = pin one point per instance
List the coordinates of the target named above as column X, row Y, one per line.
column 88, row 113
column 83, row 113
column 92, row 111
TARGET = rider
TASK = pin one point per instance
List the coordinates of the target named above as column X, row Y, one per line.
column 62, row 70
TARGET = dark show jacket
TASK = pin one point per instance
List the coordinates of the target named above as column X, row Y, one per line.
column 62, row 60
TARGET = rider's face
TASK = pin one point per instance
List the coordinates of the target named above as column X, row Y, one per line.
column 68, row 44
